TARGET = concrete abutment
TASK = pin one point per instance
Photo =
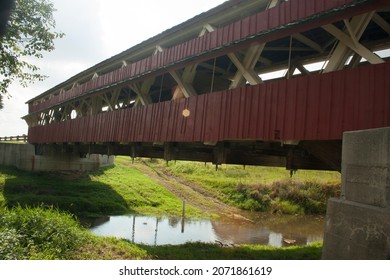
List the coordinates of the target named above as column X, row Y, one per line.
column 23, row 156
column 358, row 224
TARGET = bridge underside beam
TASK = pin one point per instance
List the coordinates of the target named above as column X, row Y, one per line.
column 292, row 157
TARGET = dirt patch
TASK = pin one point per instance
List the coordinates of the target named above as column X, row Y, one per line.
column 193, row 194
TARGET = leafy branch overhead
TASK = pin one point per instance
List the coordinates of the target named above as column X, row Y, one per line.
column 30, row 33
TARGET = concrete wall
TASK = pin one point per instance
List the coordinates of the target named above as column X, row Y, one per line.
column 23, row 157
column 358, row 224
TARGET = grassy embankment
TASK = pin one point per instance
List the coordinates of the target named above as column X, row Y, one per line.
column 109, row 191
column 257, row 188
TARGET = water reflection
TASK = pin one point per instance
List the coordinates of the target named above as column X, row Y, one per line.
column 161, row 231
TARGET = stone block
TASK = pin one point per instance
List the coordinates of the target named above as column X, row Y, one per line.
column 366, row 167
column 356, row 231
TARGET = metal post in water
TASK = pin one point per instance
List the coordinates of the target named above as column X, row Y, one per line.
column 133, row 231
column 155, row 234
column 183, row 216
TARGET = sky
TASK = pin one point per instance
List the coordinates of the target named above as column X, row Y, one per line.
column 94, row 31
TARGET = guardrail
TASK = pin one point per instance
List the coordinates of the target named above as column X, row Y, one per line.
column 19, row 138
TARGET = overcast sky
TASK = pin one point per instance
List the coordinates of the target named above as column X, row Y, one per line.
column 94, row 31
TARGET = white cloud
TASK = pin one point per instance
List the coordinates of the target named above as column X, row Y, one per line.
column 127, row 23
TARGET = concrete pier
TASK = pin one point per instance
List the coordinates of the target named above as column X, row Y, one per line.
column 23, row 156
column 358, row 224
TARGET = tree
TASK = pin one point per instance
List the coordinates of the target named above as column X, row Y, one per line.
column 30, row 33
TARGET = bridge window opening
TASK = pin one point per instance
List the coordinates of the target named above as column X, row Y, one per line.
column 273, row 75
column 297, row 72
column 316, row 66
column 383, row 53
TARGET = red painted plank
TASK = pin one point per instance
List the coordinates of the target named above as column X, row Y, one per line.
column 262, row 21
column 325, row 106
column 301, row 115
column 281, row 111
column 313, row 99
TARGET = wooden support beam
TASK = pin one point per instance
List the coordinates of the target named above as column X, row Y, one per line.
column 187, row 89
column 302, row 68
column 381, row 22
column 142, row 92
column 158, row 49
column 189, row 73
column 273, row 3
column 353, row 44
column 114, row 98
column 245, row 68
column 207, row 28
column 308, row 42
column 250, row 75
column 341, row 53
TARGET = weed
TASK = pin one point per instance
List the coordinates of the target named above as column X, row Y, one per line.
column 38, row 233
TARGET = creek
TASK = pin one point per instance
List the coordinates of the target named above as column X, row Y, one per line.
column 267, row 229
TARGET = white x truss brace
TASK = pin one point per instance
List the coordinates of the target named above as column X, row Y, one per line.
column 349, row 42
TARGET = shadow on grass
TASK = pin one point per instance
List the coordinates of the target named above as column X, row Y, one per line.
column 204, row 251
column 72, row 192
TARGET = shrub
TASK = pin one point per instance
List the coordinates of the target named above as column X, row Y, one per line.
column 38, row 233
column 287, row 196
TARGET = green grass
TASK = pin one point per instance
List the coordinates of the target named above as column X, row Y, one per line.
column 46, row 233
column 258, row 188
column 249, row 174
column 108, row 191
column 204, row 251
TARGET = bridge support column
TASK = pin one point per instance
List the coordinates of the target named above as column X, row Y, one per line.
column 358, row 224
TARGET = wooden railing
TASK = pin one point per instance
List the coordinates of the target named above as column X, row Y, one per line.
column 19, row 138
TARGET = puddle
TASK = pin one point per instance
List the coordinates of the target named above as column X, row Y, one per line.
column 265, row 229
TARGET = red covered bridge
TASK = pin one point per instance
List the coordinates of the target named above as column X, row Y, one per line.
column 263, row 82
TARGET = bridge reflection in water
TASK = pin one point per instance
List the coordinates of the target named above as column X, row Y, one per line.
column 161, row 231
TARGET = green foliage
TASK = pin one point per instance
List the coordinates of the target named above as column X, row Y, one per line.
column 45, row 233
column 30, row 32
column 37, row 233
column 257, row 188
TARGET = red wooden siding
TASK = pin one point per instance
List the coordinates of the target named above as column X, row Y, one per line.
column 267, row 25
column 317, row 107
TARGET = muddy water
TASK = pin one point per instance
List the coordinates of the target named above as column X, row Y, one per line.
column 265, row 229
